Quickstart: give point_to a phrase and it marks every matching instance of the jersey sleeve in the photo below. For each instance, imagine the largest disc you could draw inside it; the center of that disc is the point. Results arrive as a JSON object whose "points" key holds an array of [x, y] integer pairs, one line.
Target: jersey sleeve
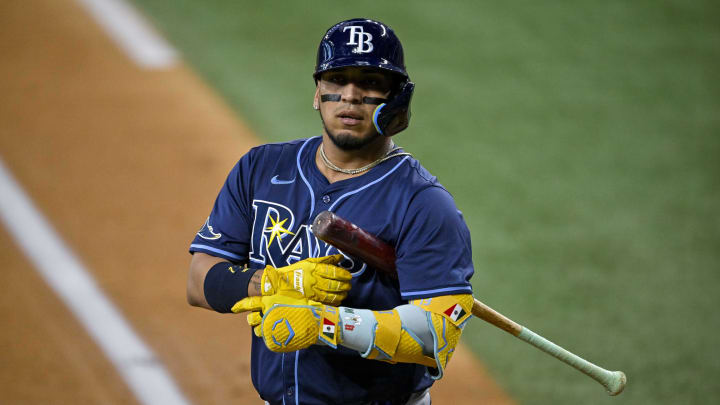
{"points": [[227, 231], [434, 253]]}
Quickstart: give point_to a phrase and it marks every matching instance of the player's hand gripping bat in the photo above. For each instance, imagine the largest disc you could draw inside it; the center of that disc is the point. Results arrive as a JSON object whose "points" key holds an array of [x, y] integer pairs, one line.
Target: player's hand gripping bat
{"points": [[354, 241]]}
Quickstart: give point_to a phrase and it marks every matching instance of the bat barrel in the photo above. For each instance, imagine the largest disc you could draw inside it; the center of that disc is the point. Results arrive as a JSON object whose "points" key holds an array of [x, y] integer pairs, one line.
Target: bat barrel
{"points": [[352, 240]]}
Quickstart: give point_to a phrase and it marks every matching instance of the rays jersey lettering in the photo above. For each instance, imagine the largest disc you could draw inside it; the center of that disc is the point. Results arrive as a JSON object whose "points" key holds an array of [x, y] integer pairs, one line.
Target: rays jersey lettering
{"points": [[278, 242]]}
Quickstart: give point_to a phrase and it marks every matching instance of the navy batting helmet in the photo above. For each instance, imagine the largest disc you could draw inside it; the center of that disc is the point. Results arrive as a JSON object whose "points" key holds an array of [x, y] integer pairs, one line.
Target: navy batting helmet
{"points": [[368, 43], [360, 42]]}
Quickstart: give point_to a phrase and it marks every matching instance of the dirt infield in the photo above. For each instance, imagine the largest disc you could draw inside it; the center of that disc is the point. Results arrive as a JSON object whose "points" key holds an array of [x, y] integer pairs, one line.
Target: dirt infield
{"points": [[125, 163]]}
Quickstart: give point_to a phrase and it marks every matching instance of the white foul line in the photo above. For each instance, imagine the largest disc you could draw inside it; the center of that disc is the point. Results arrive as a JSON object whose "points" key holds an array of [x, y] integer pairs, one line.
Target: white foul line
{"points": [[132, 33], [137, 364]]}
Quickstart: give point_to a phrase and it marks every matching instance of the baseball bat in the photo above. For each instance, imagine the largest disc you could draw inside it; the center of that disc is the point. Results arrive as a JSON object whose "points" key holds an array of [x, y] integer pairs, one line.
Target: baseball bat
{"points": [[357, 242]]}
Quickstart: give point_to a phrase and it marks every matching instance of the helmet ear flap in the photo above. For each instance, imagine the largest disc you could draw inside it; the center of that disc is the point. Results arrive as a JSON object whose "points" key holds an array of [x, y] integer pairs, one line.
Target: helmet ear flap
{"points": [[394, 116]]}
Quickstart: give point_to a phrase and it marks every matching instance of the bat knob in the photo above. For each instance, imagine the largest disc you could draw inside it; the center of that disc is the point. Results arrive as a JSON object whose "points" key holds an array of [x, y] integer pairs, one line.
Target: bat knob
{"points": [[616, 383], [321, 225]]}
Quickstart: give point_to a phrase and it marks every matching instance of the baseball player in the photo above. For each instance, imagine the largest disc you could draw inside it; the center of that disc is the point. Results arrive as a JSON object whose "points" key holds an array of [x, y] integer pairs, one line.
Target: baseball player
{"points": [[328, 329]]}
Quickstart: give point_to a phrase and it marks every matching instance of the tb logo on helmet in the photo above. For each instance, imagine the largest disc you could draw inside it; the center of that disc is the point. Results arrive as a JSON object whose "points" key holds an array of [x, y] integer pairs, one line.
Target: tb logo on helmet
{"points": [[360, 38]]}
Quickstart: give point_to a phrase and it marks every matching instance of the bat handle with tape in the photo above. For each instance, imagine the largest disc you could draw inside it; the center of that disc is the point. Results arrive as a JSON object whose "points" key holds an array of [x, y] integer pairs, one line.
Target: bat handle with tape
{"points": [[613, 381]]}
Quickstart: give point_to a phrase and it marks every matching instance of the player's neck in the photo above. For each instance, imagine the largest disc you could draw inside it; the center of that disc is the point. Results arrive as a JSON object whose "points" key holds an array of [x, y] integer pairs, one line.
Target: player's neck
{"points": [[349, 159]]}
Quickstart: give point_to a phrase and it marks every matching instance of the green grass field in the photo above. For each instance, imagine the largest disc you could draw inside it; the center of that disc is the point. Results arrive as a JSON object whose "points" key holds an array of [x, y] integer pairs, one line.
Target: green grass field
{"points": [[580, 139]]}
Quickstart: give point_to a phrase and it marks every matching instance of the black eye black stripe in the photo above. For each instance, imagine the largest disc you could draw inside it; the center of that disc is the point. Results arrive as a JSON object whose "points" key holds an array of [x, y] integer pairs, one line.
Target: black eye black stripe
{"points": [[329, 97], [374, 100], [366, 100]]}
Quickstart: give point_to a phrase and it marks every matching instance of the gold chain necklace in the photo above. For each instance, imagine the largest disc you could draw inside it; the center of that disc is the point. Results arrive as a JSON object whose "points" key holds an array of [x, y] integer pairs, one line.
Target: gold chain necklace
{"points": [[365, 168]]}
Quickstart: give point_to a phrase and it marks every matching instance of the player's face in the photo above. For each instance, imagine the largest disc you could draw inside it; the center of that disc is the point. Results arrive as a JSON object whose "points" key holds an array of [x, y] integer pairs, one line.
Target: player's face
{"points": [[348, 120]]}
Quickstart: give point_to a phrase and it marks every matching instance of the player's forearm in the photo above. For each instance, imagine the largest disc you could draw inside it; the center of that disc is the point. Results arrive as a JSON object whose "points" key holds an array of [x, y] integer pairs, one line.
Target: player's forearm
{"points": [[254, 286], [423, 332], [199, 267], [359, 326]]}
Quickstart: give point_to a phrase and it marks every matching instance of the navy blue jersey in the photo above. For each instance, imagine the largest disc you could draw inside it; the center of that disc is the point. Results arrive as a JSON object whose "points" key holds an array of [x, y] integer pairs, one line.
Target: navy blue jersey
{"points": [[262, 216]]}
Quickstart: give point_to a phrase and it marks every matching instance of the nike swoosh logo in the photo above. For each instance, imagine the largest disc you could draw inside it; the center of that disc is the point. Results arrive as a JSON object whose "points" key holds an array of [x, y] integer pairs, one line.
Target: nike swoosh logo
{"points": [[275, 180]]}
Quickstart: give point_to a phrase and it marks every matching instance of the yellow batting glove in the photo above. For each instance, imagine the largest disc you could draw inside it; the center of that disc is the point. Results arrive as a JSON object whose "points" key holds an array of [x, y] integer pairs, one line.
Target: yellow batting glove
{"points": [[252, 305], [318, 279], [287, 328], [307, 282], [248, 304], [254, 319], [256, 305]]}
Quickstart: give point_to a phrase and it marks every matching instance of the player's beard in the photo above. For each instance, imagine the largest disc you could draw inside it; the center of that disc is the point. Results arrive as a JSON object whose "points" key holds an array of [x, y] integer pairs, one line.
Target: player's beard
{"points": [[348, 142]]}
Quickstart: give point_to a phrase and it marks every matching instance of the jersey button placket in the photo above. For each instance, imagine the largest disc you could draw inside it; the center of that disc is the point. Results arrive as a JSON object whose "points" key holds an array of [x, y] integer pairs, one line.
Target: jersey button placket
{"points": [[289, 375], [326, 199]]}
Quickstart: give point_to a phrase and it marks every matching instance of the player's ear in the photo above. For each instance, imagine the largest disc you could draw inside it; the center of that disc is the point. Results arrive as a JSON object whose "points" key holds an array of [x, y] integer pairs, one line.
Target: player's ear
{"points": [[316, 99]]}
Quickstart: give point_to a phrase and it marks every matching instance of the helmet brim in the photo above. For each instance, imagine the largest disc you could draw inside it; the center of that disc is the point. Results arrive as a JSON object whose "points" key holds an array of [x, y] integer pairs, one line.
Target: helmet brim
{"points": [[378, 63]]}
